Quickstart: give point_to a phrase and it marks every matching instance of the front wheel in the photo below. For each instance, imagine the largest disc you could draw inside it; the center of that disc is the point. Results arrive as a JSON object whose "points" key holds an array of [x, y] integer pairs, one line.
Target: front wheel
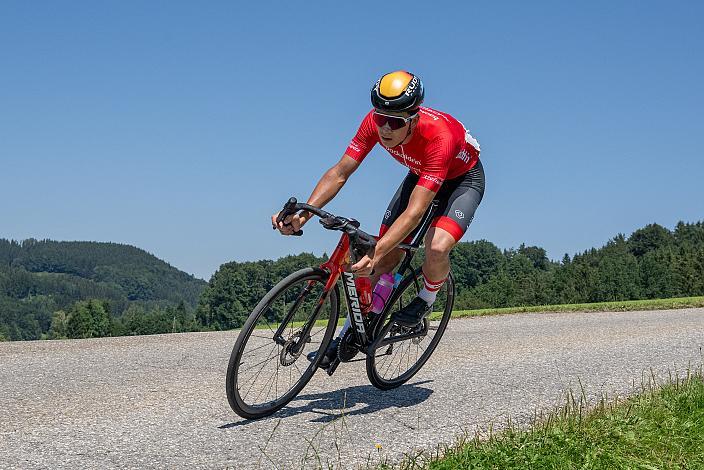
{"points": [[267, 371], [392, 365]]}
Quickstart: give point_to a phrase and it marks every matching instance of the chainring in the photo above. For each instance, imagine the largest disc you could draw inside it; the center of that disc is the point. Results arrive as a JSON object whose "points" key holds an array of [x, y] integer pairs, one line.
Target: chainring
{"points": [[346, 349]]}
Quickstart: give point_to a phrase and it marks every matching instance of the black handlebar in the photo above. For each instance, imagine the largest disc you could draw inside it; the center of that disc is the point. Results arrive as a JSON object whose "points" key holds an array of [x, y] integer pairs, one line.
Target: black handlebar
{"points": [[360, 241], [289, 209]]}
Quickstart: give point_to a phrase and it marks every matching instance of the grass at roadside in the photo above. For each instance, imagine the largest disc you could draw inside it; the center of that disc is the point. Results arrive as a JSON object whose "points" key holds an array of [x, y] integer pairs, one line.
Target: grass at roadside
{"points": [[620, 306], [657, 429]]}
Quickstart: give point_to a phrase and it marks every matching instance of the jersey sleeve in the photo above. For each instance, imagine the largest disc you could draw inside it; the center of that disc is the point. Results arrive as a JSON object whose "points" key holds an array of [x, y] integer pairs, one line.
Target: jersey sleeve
{"points": [[439, 154], [365, 139]]}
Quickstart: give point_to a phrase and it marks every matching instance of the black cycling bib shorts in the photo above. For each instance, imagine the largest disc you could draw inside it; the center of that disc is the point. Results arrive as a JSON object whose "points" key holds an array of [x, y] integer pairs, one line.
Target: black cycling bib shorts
{"points": [[458, 197]]}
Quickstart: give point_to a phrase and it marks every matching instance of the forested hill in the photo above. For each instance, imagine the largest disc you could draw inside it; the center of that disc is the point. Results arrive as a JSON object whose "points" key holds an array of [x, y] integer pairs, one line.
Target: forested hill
{"points": [[83, 289], [38, 278]]}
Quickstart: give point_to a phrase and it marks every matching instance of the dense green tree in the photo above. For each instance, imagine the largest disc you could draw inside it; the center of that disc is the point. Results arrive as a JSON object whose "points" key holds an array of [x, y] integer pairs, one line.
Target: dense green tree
{"points": [[689, 270], [475, 262], [649, 238], [537, 255], [80, 322], [59, 325], [139, 321], [689, 234], [88, 319], [657, 274], [236, 288]]}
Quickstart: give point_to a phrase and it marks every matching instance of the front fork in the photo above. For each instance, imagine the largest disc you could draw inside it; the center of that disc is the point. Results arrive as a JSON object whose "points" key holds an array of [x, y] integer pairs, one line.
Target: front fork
{"points": [[308, 326]]}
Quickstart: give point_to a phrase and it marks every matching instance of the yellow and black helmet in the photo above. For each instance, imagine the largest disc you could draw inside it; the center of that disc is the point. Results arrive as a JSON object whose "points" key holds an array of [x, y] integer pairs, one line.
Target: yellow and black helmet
{"points": [[398, 91]]}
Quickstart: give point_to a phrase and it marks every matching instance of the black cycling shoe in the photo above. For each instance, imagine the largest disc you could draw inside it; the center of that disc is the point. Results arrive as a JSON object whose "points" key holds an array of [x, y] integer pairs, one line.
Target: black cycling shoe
{"points": [[330, 354], [413, 313]]}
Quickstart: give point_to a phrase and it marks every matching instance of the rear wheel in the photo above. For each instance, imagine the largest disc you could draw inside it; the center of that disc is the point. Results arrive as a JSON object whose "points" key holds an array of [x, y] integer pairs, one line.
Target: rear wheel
{"points": [[393, 364], [266, 372]]}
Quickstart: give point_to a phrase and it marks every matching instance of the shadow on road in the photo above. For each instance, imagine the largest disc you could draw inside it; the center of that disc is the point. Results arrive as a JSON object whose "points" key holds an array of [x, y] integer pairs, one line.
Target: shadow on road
{"points": [[346, 401]]}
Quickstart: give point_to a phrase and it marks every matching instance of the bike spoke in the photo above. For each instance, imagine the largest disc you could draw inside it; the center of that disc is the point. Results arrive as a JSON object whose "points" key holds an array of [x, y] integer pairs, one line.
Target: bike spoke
{"points": [[262, 362], [258, 347], [269, 381], [297, 368], [262, 383], [407, 355], [276, 391], [257, 374]]}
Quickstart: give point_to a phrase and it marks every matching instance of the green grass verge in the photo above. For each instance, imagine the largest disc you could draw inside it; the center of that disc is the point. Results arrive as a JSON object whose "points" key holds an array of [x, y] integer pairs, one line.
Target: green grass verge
{"points": [[620, 306], [661, 428]]}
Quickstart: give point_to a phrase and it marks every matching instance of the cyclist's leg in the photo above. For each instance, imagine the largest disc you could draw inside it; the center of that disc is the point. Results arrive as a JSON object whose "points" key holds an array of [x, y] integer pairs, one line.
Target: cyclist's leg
{"points": [[459, 199], [458, 206]]}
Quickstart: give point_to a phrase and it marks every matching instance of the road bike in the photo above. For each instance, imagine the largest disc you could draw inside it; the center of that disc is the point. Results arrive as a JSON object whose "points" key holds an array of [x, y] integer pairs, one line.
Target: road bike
{"points": [[285, 337]]}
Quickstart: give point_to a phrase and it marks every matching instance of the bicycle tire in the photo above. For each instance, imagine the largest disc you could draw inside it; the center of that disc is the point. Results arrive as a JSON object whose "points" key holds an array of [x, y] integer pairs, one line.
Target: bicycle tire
{"points": [[234, 396], [373, 360]]}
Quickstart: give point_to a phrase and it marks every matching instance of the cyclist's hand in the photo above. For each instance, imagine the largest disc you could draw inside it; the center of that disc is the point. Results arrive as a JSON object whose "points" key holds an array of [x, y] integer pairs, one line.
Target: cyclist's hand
{"points": [[290, 225], [364, 267]]}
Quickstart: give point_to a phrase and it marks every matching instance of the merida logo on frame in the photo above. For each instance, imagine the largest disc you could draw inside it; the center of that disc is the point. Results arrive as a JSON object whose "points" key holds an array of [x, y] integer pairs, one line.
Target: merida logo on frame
{"points": [[354, 302]]}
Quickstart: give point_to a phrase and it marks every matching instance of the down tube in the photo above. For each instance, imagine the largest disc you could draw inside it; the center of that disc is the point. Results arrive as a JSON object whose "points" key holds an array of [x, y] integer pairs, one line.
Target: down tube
{"points": [[353, 307]]}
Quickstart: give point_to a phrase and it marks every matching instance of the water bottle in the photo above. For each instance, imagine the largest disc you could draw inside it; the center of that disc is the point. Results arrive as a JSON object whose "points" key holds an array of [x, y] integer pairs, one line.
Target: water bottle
{"points": [[364, 292], [382, 291]]}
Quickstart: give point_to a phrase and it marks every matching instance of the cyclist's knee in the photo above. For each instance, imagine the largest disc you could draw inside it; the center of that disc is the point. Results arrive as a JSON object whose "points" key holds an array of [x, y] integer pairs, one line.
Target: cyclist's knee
{"points": [[438, 244]]}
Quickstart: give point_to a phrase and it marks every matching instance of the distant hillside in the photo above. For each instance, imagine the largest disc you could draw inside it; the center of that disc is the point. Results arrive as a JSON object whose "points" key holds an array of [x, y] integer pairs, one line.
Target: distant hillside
{"points": [[38, 278], [82, 289]]}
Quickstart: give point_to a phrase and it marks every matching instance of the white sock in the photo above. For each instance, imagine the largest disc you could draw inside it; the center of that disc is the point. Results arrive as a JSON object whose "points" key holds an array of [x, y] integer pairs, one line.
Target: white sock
{"points": [[430, 289]]}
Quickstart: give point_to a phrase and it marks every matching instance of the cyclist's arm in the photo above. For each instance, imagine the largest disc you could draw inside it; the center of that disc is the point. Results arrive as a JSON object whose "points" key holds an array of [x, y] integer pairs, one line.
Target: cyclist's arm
{"points": [[418, 203], [331, 183]]}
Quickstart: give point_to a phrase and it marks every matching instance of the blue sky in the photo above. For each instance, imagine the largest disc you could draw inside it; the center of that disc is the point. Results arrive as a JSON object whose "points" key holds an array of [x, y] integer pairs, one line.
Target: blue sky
{"points": [[181, 127]]}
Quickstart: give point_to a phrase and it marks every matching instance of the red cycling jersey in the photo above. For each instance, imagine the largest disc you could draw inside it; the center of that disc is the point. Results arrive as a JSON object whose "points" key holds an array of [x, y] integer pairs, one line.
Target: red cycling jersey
{"points": [[440, 147]]}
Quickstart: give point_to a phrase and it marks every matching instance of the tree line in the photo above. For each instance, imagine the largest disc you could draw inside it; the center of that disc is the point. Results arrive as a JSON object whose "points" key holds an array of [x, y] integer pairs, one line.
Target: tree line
{"points": [[653, 262]]}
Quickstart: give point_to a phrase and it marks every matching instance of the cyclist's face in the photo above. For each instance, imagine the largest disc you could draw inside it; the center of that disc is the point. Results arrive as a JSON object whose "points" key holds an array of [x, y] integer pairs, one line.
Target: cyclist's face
{"points": [[392, 137]]}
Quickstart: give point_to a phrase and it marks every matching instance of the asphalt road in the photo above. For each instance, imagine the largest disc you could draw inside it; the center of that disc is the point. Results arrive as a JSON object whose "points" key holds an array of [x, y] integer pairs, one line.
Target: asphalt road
{"points": [[159, 401]]}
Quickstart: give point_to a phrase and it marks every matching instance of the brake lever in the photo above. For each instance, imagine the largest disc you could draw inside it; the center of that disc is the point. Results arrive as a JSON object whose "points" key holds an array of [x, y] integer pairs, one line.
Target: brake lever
{"points": [[289, 209], [361, 243]]}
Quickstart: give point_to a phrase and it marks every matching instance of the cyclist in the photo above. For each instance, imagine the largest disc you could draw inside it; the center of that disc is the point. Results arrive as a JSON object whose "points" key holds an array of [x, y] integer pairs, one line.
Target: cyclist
{"points": [[443, 159]]}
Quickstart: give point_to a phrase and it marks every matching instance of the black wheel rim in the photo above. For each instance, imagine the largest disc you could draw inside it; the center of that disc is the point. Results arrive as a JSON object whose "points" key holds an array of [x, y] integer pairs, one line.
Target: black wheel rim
{"points": [[268, 372], [399, 361]]}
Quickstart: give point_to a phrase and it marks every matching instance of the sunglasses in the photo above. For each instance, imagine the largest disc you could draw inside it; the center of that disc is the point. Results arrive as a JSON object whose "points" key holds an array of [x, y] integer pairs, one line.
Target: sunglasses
{"points": [[394, 122]]}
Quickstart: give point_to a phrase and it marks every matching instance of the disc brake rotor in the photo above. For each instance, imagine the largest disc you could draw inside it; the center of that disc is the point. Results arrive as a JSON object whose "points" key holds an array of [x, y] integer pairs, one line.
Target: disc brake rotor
{"points": [[288, 355]]}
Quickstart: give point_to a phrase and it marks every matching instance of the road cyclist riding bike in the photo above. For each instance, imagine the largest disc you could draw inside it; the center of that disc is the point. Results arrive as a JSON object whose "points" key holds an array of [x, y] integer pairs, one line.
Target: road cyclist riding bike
{"points": [[388, 314], [443, 159]]}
